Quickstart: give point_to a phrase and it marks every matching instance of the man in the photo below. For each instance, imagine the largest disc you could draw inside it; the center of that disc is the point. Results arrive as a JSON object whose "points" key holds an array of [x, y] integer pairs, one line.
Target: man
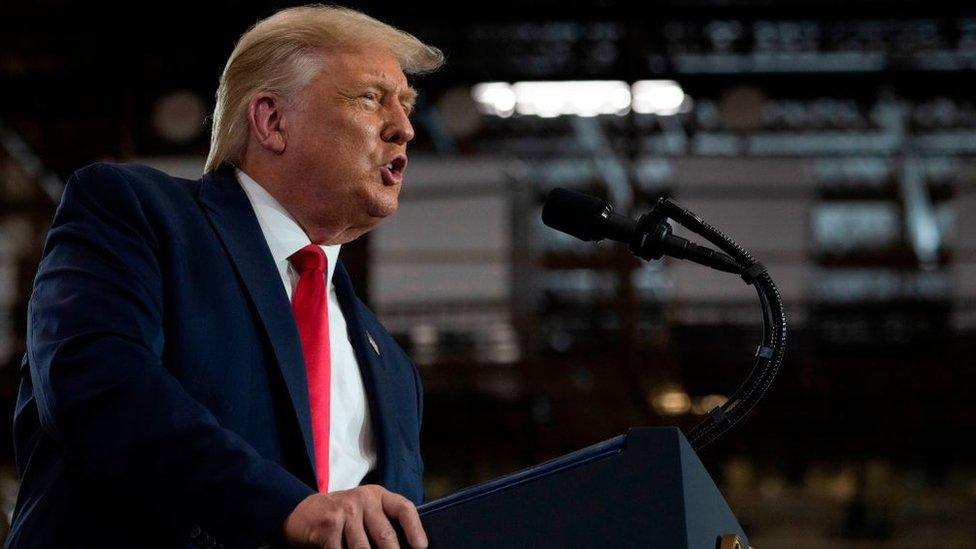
{"points": [[199, 371]]}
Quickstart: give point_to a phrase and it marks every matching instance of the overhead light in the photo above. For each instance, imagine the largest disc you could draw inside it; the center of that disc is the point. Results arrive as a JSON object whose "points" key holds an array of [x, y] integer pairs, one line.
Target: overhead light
{"points": [[551, 99], [495, 98], [582, 98], [663, 97]]}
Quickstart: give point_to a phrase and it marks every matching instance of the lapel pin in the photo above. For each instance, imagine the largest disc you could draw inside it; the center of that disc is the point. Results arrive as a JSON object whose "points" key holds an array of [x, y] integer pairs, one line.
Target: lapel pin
{"points": [[372, 342]]}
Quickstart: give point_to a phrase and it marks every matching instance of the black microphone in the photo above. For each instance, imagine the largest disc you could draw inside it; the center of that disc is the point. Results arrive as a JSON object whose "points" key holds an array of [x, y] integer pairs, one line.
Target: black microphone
{"points": [[586, 217], [591, 219]]}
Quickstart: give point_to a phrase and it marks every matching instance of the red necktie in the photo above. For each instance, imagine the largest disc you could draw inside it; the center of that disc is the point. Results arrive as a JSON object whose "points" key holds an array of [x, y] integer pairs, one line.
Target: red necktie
{"points": [[310, 305]]}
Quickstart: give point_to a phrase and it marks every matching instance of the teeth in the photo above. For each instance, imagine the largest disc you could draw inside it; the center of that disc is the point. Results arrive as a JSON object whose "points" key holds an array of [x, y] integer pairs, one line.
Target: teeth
{"points": [[390, 166]]}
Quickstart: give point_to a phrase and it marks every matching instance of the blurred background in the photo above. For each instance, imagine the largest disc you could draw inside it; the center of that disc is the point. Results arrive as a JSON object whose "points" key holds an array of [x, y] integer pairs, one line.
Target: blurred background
{"points": [[836, 140]]}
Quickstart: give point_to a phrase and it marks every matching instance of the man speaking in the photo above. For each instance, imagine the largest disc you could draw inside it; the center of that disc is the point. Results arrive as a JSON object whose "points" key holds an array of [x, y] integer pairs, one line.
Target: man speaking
{"points": [[199, 371]]}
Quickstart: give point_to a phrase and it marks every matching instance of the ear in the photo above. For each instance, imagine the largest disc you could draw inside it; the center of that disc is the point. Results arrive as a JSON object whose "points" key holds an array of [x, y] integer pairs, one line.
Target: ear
{"points": [[265, 119]]}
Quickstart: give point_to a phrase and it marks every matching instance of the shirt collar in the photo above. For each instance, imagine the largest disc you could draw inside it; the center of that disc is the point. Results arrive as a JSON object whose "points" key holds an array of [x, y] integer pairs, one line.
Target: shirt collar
{"points": [[281, 231]]}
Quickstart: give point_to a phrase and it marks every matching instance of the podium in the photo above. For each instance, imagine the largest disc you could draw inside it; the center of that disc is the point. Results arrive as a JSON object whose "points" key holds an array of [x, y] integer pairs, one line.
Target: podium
{"points": [[644, 489]]}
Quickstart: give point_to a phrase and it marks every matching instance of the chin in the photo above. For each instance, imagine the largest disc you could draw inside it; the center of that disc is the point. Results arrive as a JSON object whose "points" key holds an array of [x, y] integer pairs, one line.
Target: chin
{"points": [[374, 218], [383, 207]]}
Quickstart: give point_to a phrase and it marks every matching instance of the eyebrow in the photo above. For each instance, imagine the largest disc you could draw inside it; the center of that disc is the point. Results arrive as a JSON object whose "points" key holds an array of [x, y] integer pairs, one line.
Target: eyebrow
{"points": [[409, 95]]}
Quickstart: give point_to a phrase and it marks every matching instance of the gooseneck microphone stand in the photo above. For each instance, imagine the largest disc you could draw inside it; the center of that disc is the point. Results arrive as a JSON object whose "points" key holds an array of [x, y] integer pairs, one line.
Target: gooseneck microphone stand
{"points": [[647, 488], [769, 353], [650, 238]]}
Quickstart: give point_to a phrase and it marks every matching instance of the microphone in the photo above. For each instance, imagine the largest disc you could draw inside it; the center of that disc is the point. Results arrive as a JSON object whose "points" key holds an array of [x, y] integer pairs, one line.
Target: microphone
{"points": [[649, 237], [586, 217]]}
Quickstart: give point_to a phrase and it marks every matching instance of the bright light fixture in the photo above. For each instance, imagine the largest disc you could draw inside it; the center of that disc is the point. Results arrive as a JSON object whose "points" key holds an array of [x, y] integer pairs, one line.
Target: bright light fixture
{"points": [[551, 99], [580, 98], [496, 98], [663, 97]]}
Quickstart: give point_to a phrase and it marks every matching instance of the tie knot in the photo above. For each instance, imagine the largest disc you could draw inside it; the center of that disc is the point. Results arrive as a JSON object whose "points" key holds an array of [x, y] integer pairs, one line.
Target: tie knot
{"points": [[309, 258]]}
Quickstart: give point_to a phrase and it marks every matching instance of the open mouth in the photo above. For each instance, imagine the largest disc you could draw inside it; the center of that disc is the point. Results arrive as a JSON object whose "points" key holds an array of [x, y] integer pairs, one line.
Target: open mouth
{"points": [[393, 171], [397, 165]]}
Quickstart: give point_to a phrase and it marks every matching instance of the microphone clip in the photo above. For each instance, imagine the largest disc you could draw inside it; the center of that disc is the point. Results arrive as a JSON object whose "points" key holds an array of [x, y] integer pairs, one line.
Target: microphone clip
{"points": [[651, 236], [653, 239]]}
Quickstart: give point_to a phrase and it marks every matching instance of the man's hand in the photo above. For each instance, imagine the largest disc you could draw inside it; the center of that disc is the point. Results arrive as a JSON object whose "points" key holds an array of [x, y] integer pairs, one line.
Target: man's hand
{"points": [[356, 516]]}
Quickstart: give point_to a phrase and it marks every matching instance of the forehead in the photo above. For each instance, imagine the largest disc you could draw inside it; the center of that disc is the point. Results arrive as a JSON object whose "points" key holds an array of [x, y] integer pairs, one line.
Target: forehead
{"points": [[365, 65]]}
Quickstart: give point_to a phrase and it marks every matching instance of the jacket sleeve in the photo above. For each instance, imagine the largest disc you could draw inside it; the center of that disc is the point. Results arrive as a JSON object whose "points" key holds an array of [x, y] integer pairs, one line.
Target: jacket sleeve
{"points": [[420, 421], [95, 347]]}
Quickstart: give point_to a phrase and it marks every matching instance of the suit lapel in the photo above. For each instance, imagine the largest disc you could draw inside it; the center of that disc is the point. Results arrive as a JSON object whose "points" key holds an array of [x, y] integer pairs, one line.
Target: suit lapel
{"points": [[233, 218], [374, 376]]}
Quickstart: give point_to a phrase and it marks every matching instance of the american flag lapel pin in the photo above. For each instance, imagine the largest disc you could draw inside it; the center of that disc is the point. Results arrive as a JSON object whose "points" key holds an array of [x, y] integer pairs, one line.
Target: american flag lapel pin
{"points": [[372, 343]]}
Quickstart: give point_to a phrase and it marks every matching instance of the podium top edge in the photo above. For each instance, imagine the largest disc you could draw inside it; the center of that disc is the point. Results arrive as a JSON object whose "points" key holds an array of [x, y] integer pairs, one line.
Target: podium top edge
{"points": [[602, 449]]}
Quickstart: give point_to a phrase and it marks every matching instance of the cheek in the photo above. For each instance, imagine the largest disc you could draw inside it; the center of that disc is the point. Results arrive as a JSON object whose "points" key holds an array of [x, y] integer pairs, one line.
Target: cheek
{"points": [[360, 128], [342, 149], [349, 135]]}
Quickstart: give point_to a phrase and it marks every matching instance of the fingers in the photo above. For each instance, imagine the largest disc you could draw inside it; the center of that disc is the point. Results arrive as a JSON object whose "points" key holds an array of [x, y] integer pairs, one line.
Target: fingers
{"points": [[329, 533], [379, 527], [354, 533], [357, 519], [405, 512]]}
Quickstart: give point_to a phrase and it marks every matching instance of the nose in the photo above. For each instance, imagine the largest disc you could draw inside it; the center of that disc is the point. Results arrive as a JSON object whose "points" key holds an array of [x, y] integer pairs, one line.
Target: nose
{"points": [[398, 128]]}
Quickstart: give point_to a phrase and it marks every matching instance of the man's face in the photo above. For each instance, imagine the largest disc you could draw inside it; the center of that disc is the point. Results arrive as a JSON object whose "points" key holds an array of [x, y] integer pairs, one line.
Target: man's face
{"points": [[346, 144]]}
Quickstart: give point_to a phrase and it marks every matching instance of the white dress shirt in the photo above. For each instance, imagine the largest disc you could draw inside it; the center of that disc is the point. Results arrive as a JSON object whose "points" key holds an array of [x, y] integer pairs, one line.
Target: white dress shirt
{"points": [[352, 448]]}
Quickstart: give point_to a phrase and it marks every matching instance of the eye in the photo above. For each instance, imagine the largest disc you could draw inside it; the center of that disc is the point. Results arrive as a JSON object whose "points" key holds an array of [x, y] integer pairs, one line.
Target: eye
{"points": [[370, 99]]}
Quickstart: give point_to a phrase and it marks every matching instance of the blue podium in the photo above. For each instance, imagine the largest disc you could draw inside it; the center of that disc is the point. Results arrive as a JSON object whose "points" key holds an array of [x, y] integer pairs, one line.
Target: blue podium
{"points": [[644, 489]]}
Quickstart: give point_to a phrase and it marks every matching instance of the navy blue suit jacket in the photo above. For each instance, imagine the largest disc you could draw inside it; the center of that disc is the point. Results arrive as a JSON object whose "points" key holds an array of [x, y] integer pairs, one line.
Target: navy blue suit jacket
{"points": [[163, 398]]}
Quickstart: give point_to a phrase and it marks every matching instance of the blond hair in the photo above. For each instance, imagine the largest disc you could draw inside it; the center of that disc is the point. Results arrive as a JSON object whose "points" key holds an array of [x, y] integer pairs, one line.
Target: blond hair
{"points": [[283, 53]]}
